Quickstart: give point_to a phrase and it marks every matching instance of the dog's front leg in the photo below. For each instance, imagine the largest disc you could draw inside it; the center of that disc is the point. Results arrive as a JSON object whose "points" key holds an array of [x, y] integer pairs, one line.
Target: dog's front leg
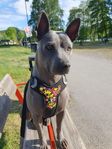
{"points": [[37, 120], [62, 142]]}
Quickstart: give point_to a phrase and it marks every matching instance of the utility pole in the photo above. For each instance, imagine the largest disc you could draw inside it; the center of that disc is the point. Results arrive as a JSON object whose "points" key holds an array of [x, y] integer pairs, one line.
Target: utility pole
{"points": [[26, 11], [27, 29]]}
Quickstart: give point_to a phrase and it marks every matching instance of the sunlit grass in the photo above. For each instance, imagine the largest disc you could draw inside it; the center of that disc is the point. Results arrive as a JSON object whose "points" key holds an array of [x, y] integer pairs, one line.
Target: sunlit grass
{"points": [[13, 60]]}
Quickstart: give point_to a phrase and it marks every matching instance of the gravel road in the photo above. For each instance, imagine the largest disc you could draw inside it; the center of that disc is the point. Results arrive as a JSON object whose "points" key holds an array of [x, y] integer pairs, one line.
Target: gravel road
{"points": [[90, 85]]}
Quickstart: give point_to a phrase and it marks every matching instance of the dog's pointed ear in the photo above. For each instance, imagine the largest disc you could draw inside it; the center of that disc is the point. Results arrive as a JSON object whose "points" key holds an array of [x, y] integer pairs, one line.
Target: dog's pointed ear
{"points": [[72, 29], [42, 26]]}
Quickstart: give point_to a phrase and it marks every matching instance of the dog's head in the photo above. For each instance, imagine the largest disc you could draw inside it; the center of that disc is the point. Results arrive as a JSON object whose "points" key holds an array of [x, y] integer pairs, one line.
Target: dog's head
{"points": [[55, 47]]}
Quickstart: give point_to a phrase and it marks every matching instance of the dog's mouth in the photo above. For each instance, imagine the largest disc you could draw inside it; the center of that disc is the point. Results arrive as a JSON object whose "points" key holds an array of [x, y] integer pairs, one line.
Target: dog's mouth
{"points": [[65, 71], [62, 71]]}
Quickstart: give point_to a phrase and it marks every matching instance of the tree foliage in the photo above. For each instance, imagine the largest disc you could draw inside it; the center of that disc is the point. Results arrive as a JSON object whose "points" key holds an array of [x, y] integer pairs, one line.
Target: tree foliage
{"points": [[96, 19], [3, 35], [20, 35], [12, 33], [100, 19], [53, 10]]}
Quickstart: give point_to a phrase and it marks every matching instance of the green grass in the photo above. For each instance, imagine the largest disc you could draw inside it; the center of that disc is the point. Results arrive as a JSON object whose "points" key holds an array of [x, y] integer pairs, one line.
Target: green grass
{"points": [[13, 60]]}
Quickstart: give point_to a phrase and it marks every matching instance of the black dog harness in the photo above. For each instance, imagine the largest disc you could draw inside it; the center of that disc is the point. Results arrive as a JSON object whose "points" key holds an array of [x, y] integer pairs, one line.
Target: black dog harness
{"points": [[50, 94]]}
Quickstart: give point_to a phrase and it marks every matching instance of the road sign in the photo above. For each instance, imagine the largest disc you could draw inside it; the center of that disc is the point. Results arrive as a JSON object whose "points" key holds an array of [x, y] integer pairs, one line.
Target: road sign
{"points": [[28, 31]]}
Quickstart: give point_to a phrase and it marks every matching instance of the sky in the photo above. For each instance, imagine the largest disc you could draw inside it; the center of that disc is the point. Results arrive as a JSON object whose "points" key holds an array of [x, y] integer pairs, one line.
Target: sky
{"points": [[12, 12]]}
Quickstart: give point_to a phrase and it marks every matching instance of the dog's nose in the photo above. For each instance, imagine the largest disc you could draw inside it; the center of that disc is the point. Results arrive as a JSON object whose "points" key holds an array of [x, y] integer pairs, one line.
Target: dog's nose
{"points": [[66, 66], [63, 67]]}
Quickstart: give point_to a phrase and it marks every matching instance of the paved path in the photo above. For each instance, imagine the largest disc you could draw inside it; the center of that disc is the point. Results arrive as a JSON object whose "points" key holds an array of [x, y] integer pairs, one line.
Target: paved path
{"points": [[90, 83]]}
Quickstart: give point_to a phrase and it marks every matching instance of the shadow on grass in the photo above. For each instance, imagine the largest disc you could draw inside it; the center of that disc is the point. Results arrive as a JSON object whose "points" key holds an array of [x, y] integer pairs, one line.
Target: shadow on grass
{"points": [[4, 46], [15, 107], [3, 141], [8, 46]]}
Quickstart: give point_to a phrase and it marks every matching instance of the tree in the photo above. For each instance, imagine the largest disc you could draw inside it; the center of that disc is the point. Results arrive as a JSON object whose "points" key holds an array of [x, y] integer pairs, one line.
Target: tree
{"points": [[96, 19], [100, 19], [3, 35], [53, 10], [20, 35], [109, 5], [74, 13], [82, 14], [11, 33]]}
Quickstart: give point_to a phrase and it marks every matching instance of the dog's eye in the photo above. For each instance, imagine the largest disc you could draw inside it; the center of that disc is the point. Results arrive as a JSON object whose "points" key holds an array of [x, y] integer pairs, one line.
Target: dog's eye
{"points": [[50, 47], [62, 45], [68, 49]]}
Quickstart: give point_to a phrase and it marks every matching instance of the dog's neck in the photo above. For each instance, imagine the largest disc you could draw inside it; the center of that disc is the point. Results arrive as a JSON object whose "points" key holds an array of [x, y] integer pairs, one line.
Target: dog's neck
{"points": [[44, 76]]}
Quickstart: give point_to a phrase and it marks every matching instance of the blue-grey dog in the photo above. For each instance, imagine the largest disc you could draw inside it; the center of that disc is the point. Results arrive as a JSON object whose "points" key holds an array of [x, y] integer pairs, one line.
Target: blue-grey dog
{"points": [[47, 93]]}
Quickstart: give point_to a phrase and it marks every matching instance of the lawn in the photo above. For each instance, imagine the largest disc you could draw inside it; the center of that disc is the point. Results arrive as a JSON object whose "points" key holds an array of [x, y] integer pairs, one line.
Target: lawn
{"points": [[13, 60]]}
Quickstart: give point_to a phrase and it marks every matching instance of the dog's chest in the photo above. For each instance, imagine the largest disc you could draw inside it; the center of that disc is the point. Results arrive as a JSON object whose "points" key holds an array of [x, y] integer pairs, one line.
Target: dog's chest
{"points": [[50, 99]]}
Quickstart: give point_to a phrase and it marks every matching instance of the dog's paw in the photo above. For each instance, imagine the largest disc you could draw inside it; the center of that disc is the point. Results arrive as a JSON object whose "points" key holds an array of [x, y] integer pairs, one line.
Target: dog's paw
{"points": [[63, 144]]}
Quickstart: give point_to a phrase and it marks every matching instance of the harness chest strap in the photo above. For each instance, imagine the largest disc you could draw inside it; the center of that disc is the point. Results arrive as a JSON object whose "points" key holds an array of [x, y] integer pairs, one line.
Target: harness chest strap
{"points": [[50, 93]]}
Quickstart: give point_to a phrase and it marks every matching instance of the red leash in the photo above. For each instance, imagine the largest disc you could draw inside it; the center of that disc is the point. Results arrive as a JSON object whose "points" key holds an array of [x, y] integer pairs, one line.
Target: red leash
{"points": [[20, 84], [51, 136], [49, 126], [18, 93]]}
